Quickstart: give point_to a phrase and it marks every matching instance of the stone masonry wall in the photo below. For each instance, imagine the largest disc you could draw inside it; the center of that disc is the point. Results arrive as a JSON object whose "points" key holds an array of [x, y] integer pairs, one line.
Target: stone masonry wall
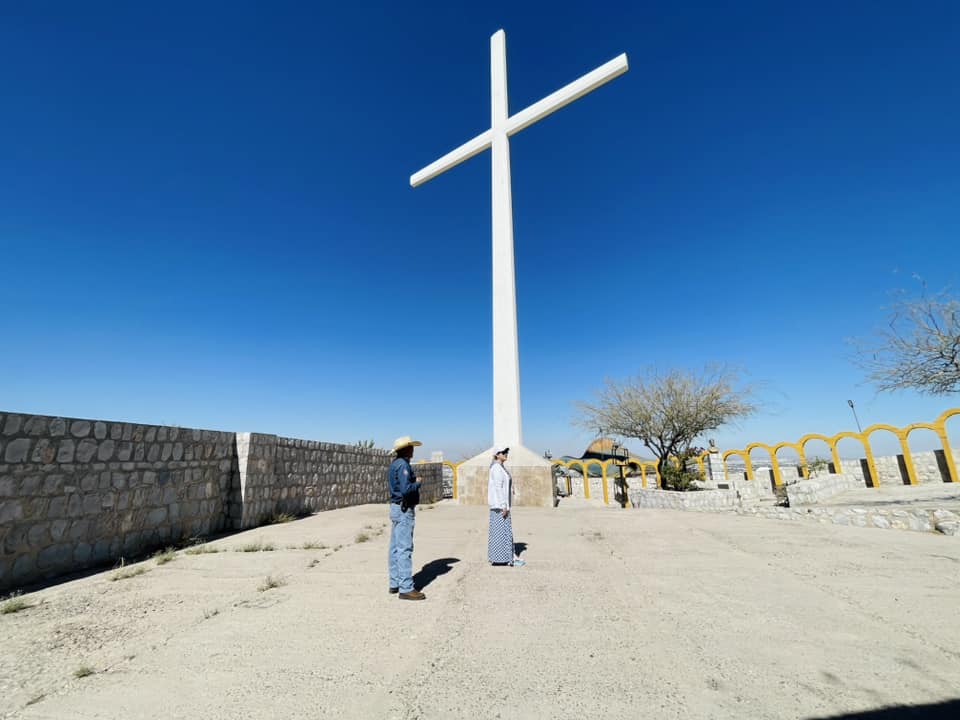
{"points": [[930, 467], [286, 475], [76, 494], [820, 488]]}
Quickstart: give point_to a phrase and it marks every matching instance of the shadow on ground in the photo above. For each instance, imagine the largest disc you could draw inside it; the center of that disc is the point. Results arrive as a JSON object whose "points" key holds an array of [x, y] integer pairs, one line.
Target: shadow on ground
{"points": [[933, 711], [432, 570]]}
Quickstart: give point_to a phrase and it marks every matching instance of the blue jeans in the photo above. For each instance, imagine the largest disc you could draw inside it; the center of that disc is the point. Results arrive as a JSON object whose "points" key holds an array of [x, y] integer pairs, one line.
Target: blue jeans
{"points": [[400, 557]]}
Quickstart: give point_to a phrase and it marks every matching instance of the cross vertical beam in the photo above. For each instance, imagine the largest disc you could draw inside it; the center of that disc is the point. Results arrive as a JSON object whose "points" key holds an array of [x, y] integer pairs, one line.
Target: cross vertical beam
{"points": [[506, 355]]}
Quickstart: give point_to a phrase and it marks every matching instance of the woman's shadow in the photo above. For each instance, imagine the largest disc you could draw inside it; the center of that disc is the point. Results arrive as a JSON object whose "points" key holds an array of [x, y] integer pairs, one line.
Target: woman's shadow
{"points": [[432, 570]]}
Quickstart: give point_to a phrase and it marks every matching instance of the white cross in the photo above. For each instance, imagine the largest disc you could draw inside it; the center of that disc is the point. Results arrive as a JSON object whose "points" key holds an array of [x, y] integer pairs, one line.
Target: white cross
{"points": [[506, 358]]}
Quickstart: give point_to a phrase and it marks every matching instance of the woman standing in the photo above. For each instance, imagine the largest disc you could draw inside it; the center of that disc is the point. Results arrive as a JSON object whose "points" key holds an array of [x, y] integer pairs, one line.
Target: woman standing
{"points": [[500, 547]]}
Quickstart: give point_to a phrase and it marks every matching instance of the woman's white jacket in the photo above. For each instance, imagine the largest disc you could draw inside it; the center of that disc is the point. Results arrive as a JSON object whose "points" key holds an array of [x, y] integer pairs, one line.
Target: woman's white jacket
{"points": [[498, 489]]}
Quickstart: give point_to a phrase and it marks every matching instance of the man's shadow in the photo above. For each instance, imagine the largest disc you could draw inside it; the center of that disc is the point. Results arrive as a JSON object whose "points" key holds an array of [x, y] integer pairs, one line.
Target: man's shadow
{"points": [[432, 570]]}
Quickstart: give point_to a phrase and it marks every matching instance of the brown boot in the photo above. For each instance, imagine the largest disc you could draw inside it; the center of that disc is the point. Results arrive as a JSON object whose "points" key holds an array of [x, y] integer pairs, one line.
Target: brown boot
{"points": [[412, 595]]}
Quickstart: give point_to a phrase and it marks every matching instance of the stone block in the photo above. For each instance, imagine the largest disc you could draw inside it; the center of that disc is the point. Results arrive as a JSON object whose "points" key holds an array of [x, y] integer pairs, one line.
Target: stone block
{"points": [[99, 430], [80, 428], [91, 504], [36, 426], [58, 427], [10, 511], [89, 482], [156, 517], [79, 529], [55, 556], [39, 534], [82, 553], [13, 424], [86, 450], [102, 551], [58, 529], [57, 507], [17, 450], [65, 453], [6, 486], [105, 450], [24, 567], [53, 484]]}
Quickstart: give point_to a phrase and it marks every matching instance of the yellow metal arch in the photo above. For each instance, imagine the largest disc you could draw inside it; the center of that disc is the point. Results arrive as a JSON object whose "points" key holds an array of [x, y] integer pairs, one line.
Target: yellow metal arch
{"points": [[743, 456], [868, 451], [797, 449], [901, 435], [773, 460], [941, 423], [586, 475], [831, 443]]}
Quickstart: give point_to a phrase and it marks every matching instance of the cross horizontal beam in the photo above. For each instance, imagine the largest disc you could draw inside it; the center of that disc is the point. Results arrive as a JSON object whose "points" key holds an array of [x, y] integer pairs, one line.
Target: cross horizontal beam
{"points": [[539, 110]]}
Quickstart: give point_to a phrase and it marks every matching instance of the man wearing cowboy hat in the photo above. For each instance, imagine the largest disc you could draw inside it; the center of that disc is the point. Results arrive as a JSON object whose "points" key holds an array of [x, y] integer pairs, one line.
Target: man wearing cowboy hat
{"points": [[404, 495]]}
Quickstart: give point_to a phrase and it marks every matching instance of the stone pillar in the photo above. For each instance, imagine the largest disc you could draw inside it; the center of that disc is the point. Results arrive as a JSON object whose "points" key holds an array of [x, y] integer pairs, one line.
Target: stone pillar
{"points": [[533, 484], [715, 476]]}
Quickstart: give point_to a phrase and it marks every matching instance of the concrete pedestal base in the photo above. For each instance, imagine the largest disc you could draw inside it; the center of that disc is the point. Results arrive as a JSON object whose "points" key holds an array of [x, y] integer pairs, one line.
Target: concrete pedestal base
{"points": [[532, 479]]}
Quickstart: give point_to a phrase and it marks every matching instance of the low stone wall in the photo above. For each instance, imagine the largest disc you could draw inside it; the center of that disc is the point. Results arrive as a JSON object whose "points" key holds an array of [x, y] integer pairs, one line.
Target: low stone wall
{"points": [[702, 500], [817, 489], [287, 475], [941, 521], [930, 467], [78, 493]]}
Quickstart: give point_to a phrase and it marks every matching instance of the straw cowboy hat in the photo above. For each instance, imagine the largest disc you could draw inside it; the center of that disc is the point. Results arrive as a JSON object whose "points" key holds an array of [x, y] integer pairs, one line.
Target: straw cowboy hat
{"points": [[406, 441]]}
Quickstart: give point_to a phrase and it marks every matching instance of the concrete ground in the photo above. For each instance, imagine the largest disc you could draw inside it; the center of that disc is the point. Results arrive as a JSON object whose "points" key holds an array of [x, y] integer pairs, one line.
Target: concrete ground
{"points": [[618, 614], [928, 496]]}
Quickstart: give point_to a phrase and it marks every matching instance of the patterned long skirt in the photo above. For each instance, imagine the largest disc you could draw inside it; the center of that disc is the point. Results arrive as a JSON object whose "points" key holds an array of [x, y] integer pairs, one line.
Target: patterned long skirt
{"points": [[500, 543]]}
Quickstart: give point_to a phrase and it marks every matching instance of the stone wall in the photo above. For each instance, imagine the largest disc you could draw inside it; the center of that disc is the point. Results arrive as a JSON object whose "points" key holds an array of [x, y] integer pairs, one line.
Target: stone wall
{"points": [[296, 477], [939, 520], [930, 467], [78, 493], [820, 488], [701, 500]]}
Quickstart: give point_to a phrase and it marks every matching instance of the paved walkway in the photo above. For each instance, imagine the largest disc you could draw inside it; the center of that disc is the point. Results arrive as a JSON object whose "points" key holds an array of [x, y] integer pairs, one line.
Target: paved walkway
{"points": [[928, 496], [618, 614]]}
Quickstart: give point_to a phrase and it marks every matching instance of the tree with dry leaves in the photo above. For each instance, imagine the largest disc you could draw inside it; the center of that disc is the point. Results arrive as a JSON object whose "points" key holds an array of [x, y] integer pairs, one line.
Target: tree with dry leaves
{"points": [[668, 410], [919, 349]]}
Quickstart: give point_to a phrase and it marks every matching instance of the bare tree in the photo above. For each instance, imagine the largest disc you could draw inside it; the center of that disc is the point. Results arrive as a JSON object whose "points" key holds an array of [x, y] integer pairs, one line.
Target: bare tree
{"points": [[668, 410], [919, 349]]}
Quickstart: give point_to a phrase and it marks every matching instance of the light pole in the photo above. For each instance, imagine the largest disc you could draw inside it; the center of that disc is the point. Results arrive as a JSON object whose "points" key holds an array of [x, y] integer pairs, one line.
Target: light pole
{"points": [[620, 457], [855, 418]]}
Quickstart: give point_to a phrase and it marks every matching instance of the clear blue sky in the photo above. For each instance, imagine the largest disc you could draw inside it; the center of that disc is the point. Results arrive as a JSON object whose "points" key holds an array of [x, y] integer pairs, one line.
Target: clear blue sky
{"points": [[205, 215]]}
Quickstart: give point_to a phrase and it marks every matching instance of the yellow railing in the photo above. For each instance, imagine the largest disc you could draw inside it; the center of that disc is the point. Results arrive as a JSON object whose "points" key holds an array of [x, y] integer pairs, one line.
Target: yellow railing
{"points": [[939, 426], [604, 477]]}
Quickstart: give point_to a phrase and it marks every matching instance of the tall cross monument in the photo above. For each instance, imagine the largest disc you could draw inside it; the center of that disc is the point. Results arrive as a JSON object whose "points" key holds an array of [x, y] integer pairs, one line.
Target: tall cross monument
{"points": [[506, 359]]}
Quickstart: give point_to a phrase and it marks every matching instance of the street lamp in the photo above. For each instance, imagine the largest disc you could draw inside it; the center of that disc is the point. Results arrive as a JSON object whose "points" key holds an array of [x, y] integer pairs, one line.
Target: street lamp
{"points": [[855, 418], [620, 457]]}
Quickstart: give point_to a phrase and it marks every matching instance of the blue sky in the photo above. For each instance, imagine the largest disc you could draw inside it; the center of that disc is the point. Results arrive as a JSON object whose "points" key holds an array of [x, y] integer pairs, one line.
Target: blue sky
{"points": [[205, 215]]}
